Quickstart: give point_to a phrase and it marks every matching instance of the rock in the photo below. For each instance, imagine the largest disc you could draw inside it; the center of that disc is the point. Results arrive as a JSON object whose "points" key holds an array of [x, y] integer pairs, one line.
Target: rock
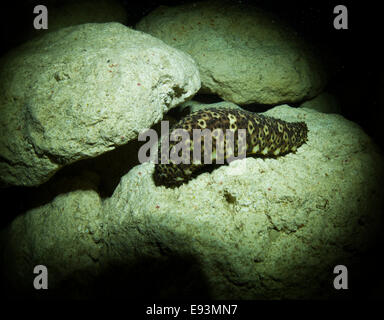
{"points": [[245, 55], [324, 102], [81, 91], [259, 228], [64, 234], [74, 12], [193, 106]]}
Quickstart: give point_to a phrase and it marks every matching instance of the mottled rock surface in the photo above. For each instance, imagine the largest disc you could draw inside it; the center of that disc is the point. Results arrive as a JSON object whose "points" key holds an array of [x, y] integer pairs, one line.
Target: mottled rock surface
{"points": [[257, 228], [64, 233], [74, 12], [245, 55], [81, 91], [261, 228]]}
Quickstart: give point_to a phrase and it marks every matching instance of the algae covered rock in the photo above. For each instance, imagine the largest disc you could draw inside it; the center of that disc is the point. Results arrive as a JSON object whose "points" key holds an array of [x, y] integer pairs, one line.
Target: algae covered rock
{"points": [[245, 55], [81, 91], [260, 228], [74, 12], [257, 228], [63, 232]]}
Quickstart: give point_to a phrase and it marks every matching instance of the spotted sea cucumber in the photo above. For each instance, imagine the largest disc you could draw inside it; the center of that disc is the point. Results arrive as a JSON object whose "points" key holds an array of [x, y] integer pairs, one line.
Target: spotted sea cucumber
{"points": [[265, 137]]}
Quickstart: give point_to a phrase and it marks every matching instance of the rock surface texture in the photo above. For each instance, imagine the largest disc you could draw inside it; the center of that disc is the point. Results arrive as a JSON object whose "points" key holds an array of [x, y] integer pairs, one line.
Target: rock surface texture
{"points": [[245, 55], [257, 228], [81, 91], [74, 12], [262, 228]]}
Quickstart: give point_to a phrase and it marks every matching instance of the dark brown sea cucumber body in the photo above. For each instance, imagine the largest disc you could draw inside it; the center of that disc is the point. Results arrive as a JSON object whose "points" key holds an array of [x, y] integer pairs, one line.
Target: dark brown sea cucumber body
{"points": [[265, 136]]}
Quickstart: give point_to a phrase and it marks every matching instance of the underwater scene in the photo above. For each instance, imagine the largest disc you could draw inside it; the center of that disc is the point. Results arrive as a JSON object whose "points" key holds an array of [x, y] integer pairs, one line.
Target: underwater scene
{"points": [[191, 150]]}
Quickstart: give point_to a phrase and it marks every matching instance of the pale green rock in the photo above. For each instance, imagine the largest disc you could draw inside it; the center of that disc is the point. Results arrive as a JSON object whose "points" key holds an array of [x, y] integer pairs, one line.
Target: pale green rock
{"points": [[81, 91], [261, 228], [245, 55], [257, 228], [74, 12], [64, 234]]}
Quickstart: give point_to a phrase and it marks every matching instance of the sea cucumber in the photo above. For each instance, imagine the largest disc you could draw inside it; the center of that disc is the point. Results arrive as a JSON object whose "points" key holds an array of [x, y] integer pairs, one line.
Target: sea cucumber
{"points": [[265, 137]]}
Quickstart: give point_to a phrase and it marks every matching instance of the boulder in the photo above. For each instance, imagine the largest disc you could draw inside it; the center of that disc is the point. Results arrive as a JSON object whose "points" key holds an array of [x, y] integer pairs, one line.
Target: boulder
{"points": [[74, 12], [81, 91], [64, 233], [254, 229], [259, 228], [245, 55]]}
